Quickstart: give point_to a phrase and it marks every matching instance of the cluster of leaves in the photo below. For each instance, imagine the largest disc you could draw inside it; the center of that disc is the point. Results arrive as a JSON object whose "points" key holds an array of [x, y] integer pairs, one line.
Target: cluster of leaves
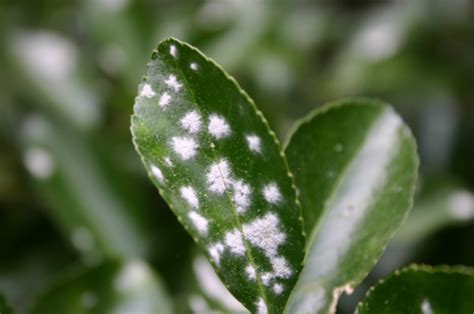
{"points": [[212, 155], [74, 197]]}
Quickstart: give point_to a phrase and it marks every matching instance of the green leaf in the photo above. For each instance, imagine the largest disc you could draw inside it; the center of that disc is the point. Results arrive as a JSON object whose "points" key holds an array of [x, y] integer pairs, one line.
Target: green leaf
{"points": [[114, 287], [355, 165], [4, 307], [422, 289], [220, 168]]}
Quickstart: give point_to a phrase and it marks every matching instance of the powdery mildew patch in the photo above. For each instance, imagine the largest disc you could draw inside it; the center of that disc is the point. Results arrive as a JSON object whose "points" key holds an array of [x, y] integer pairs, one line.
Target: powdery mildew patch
{"points": [[254, 143], [218, 126], [185, 147], [265, 234], [165, 100], [157, 173], [233, 240], [173, 51], [215, 251], [173, 83], [199, 222], [271, 193], [219, 176], [189, 195], [277, 288], [147, 91], [194, 66], [261, 306], [191, 122], [241, 196], [251, 273], [168, 161]]}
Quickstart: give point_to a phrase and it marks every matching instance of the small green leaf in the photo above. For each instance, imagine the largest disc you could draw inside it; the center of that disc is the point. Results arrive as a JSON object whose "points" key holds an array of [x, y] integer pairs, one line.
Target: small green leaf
{"points": [[114, 287], [355, 165], [220, 168], [422, 289], [4, 307]]}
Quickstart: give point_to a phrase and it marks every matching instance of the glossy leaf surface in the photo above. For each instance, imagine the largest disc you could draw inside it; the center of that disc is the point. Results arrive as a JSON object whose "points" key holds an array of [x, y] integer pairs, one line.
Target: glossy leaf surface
{"points": [[220, 168], [422, 289], [129, 287], [355, 166]]}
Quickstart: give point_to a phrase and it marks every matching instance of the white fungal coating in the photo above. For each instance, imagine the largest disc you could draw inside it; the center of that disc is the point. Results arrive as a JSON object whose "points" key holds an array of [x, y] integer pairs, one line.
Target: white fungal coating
{"points": [[241, 196], [261, 307], [280, 267], [215, 251], [265, 234], [199, 222], [168, 161], [218, 126], [254, 143], [39, 162], [173, 51], [251, 273], [191, 122], [146, 91], [272, 193], [266, 277], [278, 288], [233, 240], [194, 66], [157, 173], [185, 147], [426, 307], [165, 100], [173, 83], [189, 195], [218, 176]]}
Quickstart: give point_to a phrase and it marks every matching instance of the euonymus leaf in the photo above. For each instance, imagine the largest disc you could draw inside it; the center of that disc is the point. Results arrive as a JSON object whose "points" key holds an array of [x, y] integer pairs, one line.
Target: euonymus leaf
{"points": [[220, 168], [355, 165], [422, 289], [4, 307], [129, 287]]}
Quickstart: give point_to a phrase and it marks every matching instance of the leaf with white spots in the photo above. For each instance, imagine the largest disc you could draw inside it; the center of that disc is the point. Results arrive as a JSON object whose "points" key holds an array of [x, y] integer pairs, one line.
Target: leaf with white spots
{"points": [[355, 165], [112, 287], [422, 289], [223, 174]]}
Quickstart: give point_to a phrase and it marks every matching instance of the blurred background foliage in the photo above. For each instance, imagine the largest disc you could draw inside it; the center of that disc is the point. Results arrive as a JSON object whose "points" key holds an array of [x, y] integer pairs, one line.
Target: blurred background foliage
{"points": [[82, 226]]}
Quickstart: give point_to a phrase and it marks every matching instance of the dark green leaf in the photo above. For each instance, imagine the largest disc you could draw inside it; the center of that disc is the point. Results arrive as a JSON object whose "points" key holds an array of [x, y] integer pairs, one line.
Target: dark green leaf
{"points": [[220, 168], [113, 287], [4, 307], [422, 289], [355, 165]]}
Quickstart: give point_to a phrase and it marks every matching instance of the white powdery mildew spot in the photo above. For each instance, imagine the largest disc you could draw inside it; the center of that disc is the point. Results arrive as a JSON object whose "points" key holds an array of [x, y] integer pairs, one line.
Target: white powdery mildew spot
{"points": [[218, 126], [241, 196], [173, 83], [194, 66], [251, 273], [168, 161], [218, 176], [261, 307], [233, 240], [191, 122], [426, 307], [185, 147], [199, 222], [165, 100], [157, 173], [173, 51], [272, 193], [278, 288], [254, 143], [266, 278], [190, 196], [215, 251], [265, 233], [146, 91], [280, 267]]}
